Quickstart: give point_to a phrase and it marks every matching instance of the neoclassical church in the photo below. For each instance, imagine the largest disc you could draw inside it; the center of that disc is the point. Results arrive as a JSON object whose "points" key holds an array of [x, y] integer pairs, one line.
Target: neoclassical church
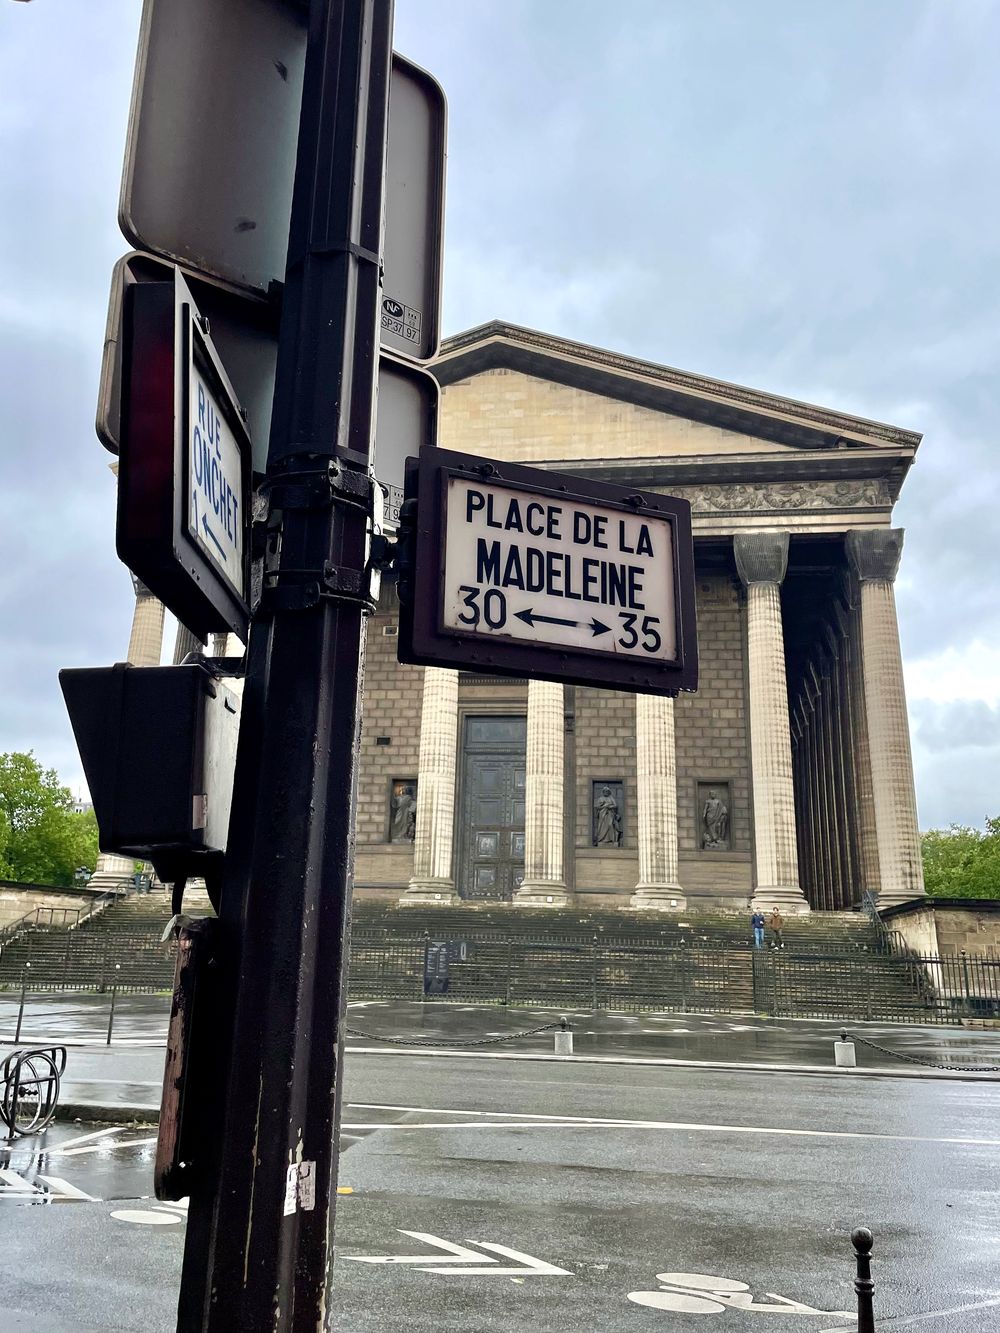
{"points": [[786, 779]]}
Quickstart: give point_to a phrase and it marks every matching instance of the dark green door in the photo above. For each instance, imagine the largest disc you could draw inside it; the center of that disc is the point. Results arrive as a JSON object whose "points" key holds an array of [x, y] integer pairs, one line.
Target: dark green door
{"points": [[491, 860]]}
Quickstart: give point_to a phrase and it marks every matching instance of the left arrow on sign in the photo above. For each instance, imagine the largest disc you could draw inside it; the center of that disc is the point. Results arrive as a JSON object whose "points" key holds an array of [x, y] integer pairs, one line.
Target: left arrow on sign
{"points": [[478, 1263]]}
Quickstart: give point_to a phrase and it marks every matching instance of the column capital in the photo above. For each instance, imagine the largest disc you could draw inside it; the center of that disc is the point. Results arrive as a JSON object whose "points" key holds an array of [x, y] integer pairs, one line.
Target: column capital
{"points": [[874, 553], [761, 557]]}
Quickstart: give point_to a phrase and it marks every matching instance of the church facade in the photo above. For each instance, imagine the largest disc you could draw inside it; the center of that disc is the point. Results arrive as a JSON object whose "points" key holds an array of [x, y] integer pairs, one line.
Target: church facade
{"points": [[787, 779]]}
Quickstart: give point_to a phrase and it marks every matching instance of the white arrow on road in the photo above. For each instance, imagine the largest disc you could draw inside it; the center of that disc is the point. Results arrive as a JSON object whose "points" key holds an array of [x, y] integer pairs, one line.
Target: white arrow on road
{"points": [[477, 1263]]}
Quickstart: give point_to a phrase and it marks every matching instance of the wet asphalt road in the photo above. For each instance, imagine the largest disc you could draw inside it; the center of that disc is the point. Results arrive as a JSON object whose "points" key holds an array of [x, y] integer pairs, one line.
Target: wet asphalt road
{"points": [[742, 1184]]}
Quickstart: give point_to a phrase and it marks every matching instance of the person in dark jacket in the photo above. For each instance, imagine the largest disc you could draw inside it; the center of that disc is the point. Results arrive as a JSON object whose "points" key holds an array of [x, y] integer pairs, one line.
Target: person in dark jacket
{"points": [[757, 924]]}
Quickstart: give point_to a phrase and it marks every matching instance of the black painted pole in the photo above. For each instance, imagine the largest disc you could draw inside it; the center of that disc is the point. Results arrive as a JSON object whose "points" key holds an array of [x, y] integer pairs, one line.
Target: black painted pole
{"points": [[20, 1008], [259, 1247], [862, 1241]]}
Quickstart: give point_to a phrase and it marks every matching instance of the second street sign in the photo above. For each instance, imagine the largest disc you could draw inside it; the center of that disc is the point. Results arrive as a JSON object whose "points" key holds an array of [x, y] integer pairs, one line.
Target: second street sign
{"points": [[519, 571]]}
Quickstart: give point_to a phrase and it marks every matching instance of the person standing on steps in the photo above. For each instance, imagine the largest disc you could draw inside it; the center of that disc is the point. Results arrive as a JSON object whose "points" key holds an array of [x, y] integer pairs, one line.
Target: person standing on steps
{"points": [[757, 924], [777, 924]]}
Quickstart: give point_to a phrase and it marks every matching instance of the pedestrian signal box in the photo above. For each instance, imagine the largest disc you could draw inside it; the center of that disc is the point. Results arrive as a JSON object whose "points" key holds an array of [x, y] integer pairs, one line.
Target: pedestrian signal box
{"points": [[158, 746]]}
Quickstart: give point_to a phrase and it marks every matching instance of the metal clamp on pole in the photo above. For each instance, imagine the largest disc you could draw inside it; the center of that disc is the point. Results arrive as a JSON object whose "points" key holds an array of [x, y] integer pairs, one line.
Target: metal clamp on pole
{"points": [[318, 484]]}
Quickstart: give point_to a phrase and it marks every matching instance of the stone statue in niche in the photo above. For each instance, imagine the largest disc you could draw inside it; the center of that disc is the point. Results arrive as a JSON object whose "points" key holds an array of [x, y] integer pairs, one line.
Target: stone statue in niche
{"points": [[714, 822], [403, 826], [607, 816]]}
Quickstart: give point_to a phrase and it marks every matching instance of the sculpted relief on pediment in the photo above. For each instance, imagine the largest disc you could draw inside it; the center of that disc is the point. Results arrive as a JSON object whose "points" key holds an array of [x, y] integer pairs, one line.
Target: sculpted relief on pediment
{"points": [[755, 496]]}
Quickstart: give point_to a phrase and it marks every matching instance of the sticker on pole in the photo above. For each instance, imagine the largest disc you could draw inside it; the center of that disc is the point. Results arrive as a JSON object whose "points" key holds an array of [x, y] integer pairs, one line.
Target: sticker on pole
{"points": [[520, 571]]}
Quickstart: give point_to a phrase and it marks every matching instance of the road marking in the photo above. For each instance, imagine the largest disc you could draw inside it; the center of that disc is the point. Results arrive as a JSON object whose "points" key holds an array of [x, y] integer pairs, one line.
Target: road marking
{"points": [[64, 1190], [533, 1120], [16, 1186], [83, 1138], [477, 1264], [904, 1320], [101, 1147], [15, 1183]]}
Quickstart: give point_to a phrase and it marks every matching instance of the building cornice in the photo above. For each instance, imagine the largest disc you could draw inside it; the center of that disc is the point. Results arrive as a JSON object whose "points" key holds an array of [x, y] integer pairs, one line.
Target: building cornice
{"points": [[734, 407]]}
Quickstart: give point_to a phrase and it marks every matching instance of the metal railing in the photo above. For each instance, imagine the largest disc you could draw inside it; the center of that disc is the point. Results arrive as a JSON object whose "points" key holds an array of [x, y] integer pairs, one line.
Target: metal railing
{"points": [[63, 918]]}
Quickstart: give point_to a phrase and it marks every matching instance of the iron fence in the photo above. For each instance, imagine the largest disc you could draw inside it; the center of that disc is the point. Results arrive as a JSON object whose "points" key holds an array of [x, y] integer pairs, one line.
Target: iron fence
{"points": [[573, 970]]}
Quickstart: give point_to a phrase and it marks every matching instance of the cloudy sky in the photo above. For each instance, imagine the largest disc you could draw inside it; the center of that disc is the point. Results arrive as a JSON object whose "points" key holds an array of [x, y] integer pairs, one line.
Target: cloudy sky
{"points": [[798, 196]]}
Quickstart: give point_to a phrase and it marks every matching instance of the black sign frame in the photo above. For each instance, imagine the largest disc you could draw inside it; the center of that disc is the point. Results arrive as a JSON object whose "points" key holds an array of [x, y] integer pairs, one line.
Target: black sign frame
{"points": [[423, 641], [163, 333]]}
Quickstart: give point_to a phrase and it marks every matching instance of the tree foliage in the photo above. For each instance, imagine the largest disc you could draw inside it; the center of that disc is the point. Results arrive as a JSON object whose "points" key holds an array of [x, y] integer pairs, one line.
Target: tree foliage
{"points": [[961, 862], [42, 839]]}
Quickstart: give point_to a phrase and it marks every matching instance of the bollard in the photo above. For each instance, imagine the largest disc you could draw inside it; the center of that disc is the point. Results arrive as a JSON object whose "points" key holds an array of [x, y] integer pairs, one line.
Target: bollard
{"points": [[862, 1240], [844, 1056], [114, 997], [564, 1038], [20, 1008]]}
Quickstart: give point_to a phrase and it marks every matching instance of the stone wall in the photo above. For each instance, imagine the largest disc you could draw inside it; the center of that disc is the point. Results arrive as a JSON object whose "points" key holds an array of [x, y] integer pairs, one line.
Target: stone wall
{"points": [[391, 713], [712, 742], [17, 900], [947, 925], [604, 746]]}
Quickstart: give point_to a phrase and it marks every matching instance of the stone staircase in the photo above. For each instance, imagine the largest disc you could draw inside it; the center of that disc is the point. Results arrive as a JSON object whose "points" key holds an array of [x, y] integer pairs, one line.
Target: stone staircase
{"points": [[831, 965], [118, 947]]}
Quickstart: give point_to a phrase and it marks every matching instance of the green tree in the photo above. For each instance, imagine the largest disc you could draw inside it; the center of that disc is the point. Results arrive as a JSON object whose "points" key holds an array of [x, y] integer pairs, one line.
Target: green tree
{"points": [[42, 839], [962, 862]]}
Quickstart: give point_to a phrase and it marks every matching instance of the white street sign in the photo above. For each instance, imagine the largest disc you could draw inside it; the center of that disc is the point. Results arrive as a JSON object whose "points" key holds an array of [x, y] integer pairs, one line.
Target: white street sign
{"points": [[215, 518], [565, 573]]}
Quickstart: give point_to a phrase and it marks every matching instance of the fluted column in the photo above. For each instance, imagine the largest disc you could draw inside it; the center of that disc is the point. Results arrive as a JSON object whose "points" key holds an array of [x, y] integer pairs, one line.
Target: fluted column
{"points": [[544, 883], [146, 639], [433, 842], [186, 641], [874, 556], [761, 559], [656, 791]]}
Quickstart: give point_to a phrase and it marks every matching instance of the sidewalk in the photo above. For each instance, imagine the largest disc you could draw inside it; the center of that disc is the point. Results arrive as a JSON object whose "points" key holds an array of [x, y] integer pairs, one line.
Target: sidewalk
{"points": [[122, 1080]]}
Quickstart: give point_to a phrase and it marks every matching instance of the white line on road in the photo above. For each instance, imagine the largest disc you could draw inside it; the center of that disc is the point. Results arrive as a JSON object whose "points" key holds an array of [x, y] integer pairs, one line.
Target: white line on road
{"points": [[101, 1147], [935, 1314], [65, 1190], [530, 1120], [84, 1138]]}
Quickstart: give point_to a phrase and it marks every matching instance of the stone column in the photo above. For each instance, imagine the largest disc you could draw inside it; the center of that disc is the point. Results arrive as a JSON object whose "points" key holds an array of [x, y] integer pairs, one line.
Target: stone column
{"points": [[186, 641], [656, 790], [144, 647], [874, 555], [146, 640], [761, 559], [544, 883], [433, 879]]}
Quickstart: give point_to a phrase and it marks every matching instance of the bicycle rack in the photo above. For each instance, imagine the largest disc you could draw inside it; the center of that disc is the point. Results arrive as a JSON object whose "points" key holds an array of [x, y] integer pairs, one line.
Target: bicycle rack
{"points": [[29, 1089]]}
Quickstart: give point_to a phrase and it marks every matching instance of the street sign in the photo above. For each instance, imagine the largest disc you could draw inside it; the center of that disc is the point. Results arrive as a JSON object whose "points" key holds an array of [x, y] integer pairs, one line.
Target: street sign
{"points": [[210, 157], [244, 331], [414, 218], [408, 399], [519, 571], [185, 463]]}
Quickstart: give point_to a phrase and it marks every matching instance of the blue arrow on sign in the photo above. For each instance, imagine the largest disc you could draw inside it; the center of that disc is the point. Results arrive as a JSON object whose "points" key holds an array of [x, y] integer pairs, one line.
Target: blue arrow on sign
{"points": [[210, 533]]}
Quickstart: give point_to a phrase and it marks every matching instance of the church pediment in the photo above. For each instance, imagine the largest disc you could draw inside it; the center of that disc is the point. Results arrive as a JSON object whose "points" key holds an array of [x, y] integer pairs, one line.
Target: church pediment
{"points": [[658, 410]]}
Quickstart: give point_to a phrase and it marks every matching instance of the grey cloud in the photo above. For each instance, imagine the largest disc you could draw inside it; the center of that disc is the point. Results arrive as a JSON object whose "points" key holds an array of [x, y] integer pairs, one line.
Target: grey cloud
{"points": [[958, 725]]}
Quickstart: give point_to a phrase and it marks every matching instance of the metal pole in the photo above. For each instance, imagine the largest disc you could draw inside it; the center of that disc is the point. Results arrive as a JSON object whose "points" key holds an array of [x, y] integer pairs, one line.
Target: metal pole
{"points": [[863, 1241], [114, 999], [20, 1008], [259, 1245]]}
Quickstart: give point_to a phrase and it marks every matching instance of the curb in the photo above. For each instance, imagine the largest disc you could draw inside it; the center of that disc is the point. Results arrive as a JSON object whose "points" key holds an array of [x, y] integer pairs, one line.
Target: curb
{"points": [[108, 1114]]}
